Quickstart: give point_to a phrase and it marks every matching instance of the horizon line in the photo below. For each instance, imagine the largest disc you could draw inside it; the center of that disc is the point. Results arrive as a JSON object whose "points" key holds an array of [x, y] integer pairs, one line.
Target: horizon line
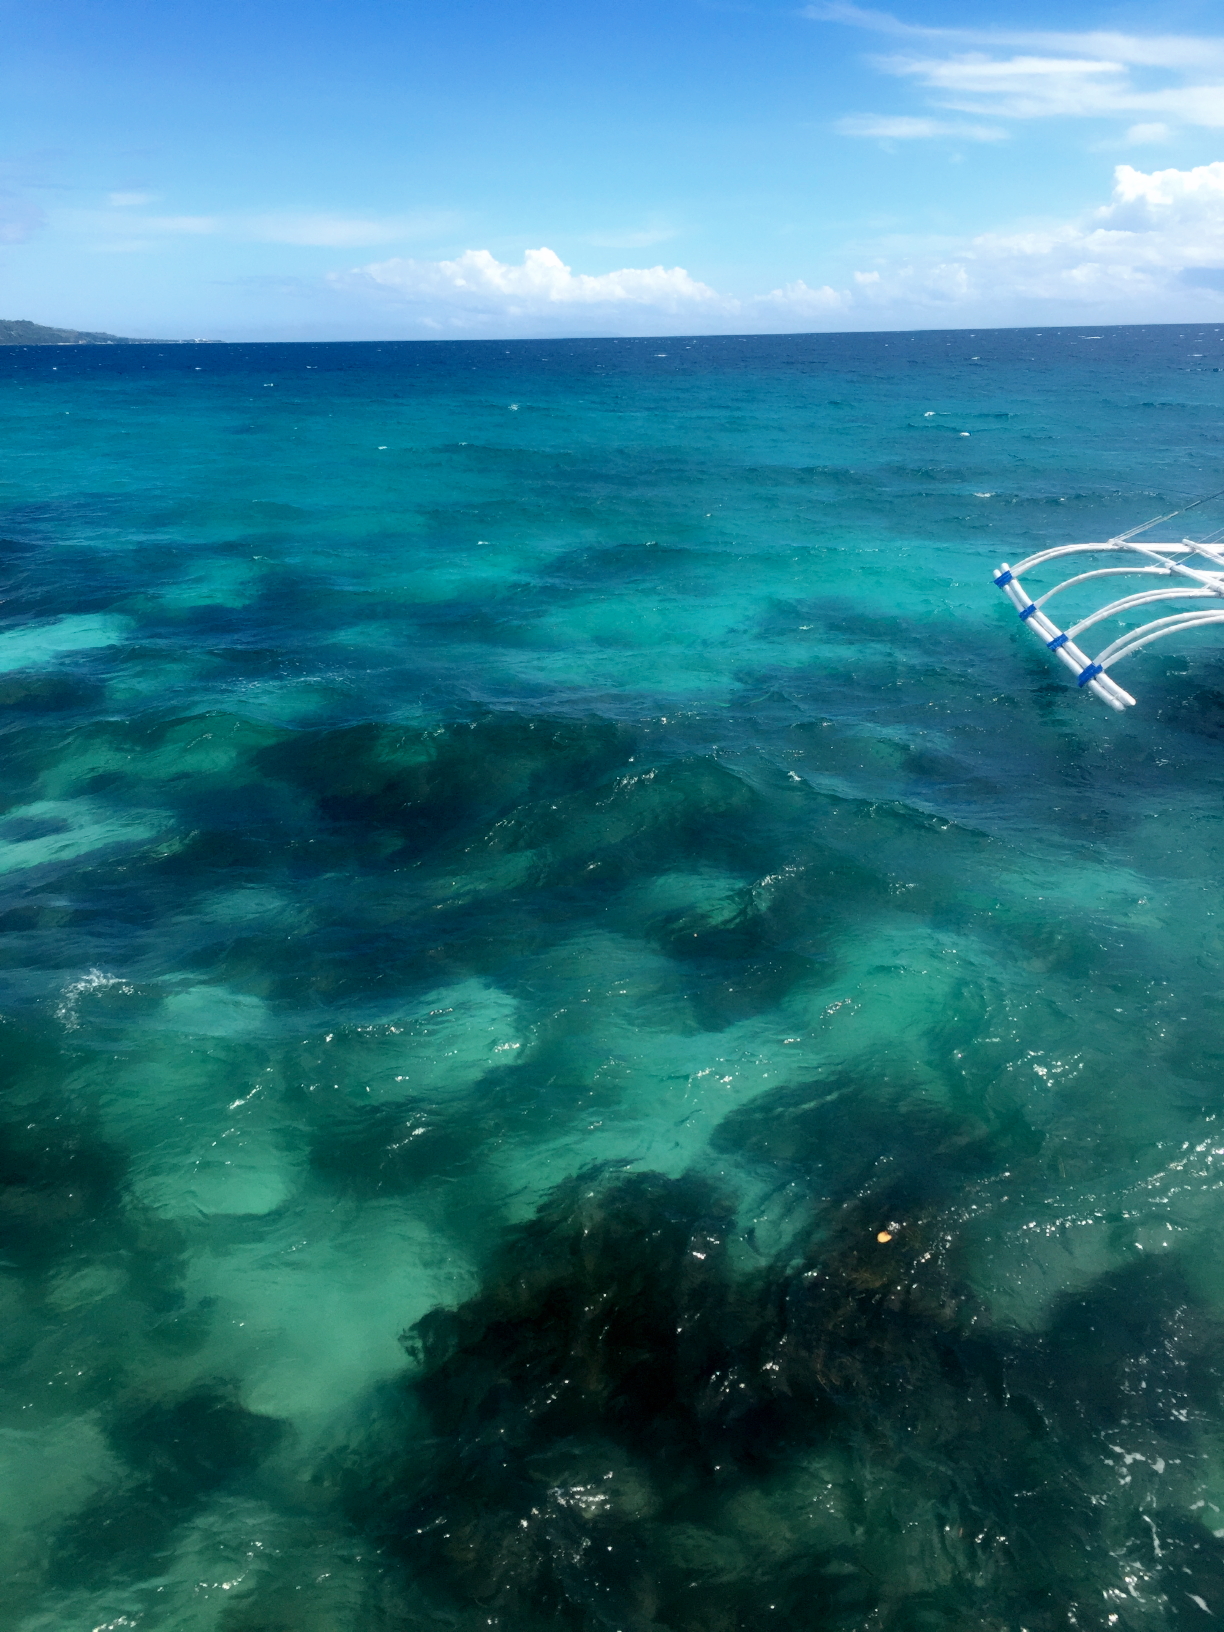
{"points": [[598, 339]]}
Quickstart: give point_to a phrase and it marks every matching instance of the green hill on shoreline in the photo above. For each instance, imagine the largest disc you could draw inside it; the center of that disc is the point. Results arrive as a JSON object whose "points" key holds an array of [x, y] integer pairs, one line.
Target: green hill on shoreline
{"points": [[19, 332]]}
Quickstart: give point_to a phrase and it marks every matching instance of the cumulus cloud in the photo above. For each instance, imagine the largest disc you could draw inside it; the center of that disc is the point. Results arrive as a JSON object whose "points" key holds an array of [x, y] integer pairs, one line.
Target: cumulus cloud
{"points": [[477, 294], [1040, 74], [1133, 259], [1154, 251], [477, 287], [797, 301]]}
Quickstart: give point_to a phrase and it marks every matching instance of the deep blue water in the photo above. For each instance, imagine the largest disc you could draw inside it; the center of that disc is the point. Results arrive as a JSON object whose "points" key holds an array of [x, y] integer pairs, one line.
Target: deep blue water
{"points": [[591, 1037]]}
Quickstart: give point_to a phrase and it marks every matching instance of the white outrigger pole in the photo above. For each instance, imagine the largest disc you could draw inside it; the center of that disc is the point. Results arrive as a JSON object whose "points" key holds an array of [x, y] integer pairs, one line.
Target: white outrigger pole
{"points": [[1199, 567]]}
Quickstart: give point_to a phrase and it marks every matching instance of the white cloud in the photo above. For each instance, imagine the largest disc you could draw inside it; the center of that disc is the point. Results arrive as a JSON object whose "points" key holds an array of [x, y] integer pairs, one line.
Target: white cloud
{"points": [[476, 286], [1153, 201], [1142, 135], [1153, 253], [1141, 50], [1029, 87], [1136, 258], [1016, 87], [130, 201], [1038, 74], [898, 128], [477, 294], [798, 302]]}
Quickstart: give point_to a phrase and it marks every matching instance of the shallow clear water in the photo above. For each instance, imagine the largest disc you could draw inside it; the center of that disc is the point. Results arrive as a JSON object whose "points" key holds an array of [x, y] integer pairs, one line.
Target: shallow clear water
{"points": [[561, 843]]}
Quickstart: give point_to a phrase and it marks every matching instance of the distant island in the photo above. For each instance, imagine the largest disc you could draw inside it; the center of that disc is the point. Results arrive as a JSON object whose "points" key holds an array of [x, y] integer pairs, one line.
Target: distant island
{"points": [[18, 332]]}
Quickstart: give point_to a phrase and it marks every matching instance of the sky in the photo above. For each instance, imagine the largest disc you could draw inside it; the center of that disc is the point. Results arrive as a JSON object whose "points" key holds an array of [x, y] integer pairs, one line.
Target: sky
{"points": [[367, 169]]}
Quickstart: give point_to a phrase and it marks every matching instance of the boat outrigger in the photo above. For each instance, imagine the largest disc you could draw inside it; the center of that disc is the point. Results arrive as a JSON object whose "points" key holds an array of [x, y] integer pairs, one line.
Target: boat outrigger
{"points": [[1198, 568]]}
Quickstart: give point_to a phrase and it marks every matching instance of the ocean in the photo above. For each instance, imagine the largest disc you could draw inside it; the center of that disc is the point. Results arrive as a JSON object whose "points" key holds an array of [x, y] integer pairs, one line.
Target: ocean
{"points": [[592, 1035]]}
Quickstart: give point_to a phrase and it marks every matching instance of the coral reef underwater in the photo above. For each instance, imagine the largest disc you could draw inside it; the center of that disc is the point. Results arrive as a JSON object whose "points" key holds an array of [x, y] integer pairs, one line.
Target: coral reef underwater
{"points": [[638, 1423], [606, 890]]}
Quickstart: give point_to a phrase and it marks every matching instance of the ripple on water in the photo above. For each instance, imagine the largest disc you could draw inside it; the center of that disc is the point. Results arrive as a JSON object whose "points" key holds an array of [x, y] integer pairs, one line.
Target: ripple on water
{"points": [[608, 895]]}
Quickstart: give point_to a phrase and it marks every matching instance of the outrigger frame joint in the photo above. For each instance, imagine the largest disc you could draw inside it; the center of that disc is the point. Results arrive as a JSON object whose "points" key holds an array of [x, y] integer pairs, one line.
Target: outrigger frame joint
{"points": [[1197, 567]]}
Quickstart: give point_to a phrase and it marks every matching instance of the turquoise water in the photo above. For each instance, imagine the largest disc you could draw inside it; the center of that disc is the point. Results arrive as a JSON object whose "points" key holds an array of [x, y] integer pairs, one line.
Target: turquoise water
{"points": [[520, 863]]}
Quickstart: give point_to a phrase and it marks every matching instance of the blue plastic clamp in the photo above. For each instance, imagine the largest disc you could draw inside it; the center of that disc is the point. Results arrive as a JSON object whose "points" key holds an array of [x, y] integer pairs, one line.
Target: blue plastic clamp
{"points": [[1027, 611], [1059, 640], [1090, 673], [1003, 578]]}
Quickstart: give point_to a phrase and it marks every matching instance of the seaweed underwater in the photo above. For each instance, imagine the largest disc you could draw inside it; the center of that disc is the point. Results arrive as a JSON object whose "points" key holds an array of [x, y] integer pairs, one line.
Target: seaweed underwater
{"points": [[638, 1422], [761, 1387]]}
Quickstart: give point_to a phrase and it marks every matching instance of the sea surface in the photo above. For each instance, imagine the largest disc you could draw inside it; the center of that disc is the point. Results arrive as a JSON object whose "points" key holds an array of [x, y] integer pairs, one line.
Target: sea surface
{"points": [[592, 1036]]}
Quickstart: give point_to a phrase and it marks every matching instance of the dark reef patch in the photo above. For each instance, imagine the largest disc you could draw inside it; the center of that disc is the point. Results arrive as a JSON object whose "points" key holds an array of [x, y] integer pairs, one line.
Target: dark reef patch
{"points": [[842, 1140], [36, 693], [61, 1182], [179, 1451], [183, 1447], [429, 786], [58, 1182], [366, 1150], [625, 1428], [98, 1272]]}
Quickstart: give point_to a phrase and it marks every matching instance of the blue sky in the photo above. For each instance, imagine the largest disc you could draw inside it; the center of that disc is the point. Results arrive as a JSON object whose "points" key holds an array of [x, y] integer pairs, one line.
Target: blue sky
{"points": [[357, 168]]}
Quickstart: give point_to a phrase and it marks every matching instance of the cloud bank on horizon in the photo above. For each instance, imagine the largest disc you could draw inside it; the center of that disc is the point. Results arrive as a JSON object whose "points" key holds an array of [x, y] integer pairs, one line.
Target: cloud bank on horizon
{"points": [[829, 167], [1156, 246]]}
